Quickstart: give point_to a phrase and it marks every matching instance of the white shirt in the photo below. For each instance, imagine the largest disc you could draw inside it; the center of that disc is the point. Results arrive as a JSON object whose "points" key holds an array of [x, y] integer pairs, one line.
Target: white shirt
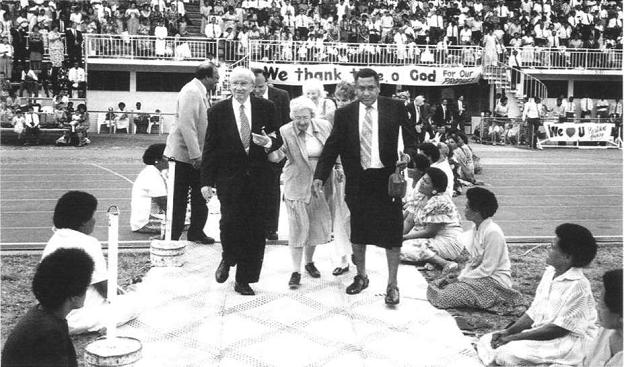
{"points": [[213, 30], [149, 184], [587, 104], [76, 75], [32, 119], [375, 159], [247, 105]]}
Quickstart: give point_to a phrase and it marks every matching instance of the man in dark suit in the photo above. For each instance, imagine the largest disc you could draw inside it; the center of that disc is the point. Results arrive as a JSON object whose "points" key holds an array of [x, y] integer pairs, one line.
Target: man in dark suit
{"points": [[282, 102], [419, 114], [73, 39], [365, 136], [241, 133], [443, 114]]}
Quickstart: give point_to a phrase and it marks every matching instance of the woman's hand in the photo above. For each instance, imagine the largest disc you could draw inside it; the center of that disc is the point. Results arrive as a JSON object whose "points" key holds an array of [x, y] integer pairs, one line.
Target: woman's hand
{"points": [[500, 338]]}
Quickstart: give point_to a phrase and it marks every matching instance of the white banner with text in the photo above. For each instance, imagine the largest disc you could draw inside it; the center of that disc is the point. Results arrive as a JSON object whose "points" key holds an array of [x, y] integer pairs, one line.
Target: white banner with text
{"points": [[568, 131], [296, 74]]}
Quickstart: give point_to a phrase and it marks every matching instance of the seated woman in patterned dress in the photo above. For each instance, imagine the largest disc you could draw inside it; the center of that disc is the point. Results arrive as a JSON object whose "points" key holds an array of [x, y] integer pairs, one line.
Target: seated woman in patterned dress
{"points": [[485, 282], [606, 348], [435, 226], [562, 317]]}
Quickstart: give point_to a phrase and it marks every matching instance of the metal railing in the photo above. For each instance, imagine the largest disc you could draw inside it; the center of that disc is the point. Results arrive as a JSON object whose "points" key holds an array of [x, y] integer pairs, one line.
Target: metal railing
{"points": [[570, 58], [514, 79], [363, 53]]}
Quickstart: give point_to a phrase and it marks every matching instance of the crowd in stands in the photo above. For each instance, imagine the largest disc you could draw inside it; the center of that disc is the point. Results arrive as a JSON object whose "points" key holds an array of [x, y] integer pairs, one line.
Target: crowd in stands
{"points": [[415, 28]]}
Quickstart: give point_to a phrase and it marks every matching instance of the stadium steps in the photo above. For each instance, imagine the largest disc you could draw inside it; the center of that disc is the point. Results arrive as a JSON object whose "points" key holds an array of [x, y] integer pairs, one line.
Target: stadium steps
{"points": [[192, 11]]}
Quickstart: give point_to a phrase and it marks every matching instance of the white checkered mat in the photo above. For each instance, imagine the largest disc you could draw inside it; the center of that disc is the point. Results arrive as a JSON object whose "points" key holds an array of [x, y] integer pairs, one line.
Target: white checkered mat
{"points": [[191, 320]]}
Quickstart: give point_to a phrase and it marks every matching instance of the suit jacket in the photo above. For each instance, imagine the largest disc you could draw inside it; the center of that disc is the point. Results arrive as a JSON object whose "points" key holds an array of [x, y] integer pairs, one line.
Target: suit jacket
{"points": [[425, 114], [439, 117], [186, 139], [73, 41], [344, 141], [225, 162], [299, 170], [282, 101]]}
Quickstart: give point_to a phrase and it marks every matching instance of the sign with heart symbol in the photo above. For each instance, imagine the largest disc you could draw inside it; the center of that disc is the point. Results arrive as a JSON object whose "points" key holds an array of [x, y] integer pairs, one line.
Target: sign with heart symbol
{"points": [[570, 131]]}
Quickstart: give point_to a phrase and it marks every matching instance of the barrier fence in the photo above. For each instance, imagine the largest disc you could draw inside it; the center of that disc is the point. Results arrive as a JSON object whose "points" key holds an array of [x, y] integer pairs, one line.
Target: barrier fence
{"points": [[551, 132]]}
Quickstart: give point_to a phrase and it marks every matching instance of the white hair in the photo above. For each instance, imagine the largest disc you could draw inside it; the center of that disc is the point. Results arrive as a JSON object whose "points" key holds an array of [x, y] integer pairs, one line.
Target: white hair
{"points": [[243, 72], [302, 103], [313, 85]]}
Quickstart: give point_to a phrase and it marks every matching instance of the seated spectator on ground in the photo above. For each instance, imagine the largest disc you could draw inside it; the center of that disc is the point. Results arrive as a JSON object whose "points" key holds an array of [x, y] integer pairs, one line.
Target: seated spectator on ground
{"points": [[463, 155], [416, 169], [606, 348], [41, 338], [431, 230], [18, 122], [485, 282], [149, 192], [561, 320], [74, 221], [444, 165]]}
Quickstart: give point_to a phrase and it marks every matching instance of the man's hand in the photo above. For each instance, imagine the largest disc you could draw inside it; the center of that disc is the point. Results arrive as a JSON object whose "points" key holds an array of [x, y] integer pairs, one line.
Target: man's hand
{"points": [[261, 140], [207, 192], [317, 188], [339, 174], [196, 162], [403, 160], [499, 338]]}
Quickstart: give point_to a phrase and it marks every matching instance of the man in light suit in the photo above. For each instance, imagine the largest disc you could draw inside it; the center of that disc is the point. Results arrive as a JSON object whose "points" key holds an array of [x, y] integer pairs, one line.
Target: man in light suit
{"points": [[282, 102], [185, 145], [419, 114], [365, 136], [241, 133]]}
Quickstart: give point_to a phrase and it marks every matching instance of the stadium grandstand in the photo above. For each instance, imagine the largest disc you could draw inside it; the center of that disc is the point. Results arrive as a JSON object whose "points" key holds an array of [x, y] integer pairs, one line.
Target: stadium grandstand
{"points": [[107, 52]]}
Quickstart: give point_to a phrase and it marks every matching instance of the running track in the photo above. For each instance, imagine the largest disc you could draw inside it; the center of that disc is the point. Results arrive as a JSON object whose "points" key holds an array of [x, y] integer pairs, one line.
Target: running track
{"points": [[537, 190]]}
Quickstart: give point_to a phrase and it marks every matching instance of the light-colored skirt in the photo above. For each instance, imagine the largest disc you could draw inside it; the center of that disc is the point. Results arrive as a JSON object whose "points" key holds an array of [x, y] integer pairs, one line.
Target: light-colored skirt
{"points": [[309, 224], [422, 249]]}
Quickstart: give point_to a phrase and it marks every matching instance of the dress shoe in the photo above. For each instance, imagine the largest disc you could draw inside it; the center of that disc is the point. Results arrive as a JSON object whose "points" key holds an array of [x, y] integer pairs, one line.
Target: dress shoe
{"points": [[340, 271], [223, 272], [272, 236], [359, 283], [392, 295], [204, 240], [244, 289], [294, 281], [312, 270]]}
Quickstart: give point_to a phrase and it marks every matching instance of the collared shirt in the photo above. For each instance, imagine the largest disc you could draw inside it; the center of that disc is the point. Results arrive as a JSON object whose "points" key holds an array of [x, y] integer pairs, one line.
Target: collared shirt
{"points": [[247, 105], [565, 301], [375, 158], [531, 110]]}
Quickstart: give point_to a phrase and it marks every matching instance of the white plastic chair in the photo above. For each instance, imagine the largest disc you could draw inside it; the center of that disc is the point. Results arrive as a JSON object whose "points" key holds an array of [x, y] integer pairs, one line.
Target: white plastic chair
{"points": [[101, 120], [158, 123]]}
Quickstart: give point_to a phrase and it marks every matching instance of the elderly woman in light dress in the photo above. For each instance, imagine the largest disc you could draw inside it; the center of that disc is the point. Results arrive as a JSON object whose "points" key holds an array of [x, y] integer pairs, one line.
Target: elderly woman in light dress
{"points": [[308, 216], [313, 89]]}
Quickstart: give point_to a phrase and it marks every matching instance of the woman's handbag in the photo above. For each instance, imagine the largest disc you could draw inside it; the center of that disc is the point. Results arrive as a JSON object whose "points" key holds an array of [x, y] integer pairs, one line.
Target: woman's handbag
{"points": [[397, 184]]}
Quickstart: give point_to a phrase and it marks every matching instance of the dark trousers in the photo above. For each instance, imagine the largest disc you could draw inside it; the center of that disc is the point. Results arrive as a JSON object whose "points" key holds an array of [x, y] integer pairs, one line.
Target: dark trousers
{"points": [[242, 231], [534, 124], [187, 178], [274, 199]]}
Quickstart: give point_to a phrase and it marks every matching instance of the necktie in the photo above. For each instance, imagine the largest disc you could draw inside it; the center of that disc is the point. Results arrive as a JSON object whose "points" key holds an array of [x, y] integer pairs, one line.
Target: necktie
{"points": [[417, 114], [245, 128], [366, 143]]}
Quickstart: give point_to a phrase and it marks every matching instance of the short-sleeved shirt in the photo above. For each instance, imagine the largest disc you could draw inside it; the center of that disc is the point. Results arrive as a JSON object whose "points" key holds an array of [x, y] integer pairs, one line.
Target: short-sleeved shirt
{"points": [[149, 185], [565, 301], [68, 238]]}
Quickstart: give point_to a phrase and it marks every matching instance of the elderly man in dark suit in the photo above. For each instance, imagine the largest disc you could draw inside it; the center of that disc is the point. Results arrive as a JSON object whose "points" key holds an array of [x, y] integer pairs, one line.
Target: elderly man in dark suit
{"points": [[419, 113], [365, 136], [241, 133], [282, 102]]}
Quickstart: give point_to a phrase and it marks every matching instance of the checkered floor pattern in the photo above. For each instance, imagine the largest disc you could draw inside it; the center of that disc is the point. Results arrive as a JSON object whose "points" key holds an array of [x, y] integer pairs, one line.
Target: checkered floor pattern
{"points": [[190, 320]]}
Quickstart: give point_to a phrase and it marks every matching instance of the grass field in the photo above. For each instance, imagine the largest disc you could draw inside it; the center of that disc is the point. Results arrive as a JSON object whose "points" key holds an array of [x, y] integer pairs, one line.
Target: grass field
{"points": [[528, 262]]}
